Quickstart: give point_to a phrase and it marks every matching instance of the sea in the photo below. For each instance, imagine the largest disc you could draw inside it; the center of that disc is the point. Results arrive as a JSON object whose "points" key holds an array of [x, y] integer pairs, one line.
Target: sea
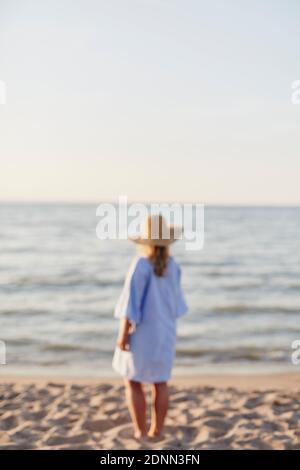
{"points": [[59, 284]]}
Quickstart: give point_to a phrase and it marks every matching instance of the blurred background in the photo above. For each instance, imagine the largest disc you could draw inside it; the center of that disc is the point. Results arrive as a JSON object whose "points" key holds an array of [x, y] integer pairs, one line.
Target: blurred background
{"points": [[158, 101]]}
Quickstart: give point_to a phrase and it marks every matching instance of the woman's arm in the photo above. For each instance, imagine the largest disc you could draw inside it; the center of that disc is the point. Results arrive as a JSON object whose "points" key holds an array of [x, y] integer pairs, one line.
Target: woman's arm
{"points": [[122, 341]]}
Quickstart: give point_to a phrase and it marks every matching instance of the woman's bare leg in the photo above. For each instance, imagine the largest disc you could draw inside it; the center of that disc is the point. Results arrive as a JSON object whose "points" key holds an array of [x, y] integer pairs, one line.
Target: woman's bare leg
{"points": [[160, 403], [137, 407]]}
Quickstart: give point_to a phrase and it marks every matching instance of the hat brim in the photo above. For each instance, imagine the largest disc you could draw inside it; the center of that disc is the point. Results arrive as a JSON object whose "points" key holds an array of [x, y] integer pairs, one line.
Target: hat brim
{"points": [[158, 241]]}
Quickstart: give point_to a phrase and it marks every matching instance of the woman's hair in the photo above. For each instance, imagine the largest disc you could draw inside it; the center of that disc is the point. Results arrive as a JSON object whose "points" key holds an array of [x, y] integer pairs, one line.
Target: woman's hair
{"points": [[158, 255]]}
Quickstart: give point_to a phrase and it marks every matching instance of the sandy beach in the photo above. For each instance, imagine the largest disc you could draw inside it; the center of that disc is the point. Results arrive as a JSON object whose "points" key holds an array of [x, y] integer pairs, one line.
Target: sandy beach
{"points": [[206, 412]]}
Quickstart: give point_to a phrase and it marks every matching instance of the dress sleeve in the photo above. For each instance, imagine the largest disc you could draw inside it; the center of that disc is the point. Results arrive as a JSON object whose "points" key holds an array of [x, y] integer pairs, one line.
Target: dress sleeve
{"points": [[131, 300], [182, 307]]}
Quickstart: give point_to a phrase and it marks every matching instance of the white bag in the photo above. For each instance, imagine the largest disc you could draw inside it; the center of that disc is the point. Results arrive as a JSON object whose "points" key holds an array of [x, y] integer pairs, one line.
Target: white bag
{"points": [[123, 363]]}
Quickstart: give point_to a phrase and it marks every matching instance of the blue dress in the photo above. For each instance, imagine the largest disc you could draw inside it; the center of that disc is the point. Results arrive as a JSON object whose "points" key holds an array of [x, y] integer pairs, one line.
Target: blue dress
{"points": [[152, 304]]}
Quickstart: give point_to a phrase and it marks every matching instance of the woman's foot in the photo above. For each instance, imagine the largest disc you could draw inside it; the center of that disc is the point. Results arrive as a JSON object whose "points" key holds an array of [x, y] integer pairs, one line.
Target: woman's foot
{"points": [[154, 433], [139, 435]]}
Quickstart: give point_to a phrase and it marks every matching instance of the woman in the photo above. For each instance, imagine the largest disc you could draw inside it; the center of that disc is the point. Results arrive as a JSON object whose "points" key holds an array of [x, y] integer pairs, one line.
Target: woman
{"points": [[149, 305]]}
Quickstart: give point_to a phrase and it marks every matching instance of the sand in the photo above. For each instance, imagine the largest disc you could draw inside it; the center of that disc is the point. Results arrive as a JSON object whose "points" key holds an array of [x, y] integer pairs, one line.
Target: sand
{"points": [[206, 412]]}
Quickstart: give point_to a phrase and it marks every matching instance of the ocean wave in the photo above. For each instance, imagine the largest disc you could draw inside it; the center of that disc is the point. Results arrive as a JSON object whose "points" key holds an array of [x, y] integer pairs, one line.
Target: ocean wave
{"points": [[243, 308], [246, 285], [78, 315], [233, 354], [66, 347], [21, 341], [293, 286], [53, 363], [23, 312], [29, 283]]}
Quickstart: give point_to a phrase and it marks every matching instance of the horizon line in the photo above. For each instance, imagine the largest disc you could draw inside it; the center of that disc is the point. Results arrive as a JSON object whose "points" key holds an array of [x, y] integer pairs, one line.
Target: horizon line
{"points": [[110, 201]]}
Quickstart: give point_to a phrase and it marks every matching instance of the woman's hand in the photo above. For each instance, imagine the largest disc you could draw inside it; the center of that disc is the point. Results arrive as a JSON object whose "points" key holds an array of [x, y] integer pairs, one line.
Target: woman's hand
{"points": [[122, 343]]}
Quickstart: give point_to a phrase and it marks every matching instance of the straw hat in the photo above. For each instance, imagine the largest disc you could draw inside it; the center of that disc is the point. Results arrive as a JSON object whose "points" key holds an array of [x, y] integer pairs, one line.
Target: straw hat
{"points": [[157, 233]]}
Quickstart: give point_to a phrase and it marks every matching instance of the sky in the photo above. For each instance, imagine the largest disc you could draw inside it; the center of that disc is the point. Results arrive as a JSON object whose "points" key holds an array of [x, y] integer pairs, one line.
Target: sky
{"points": [[159, 100]]}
